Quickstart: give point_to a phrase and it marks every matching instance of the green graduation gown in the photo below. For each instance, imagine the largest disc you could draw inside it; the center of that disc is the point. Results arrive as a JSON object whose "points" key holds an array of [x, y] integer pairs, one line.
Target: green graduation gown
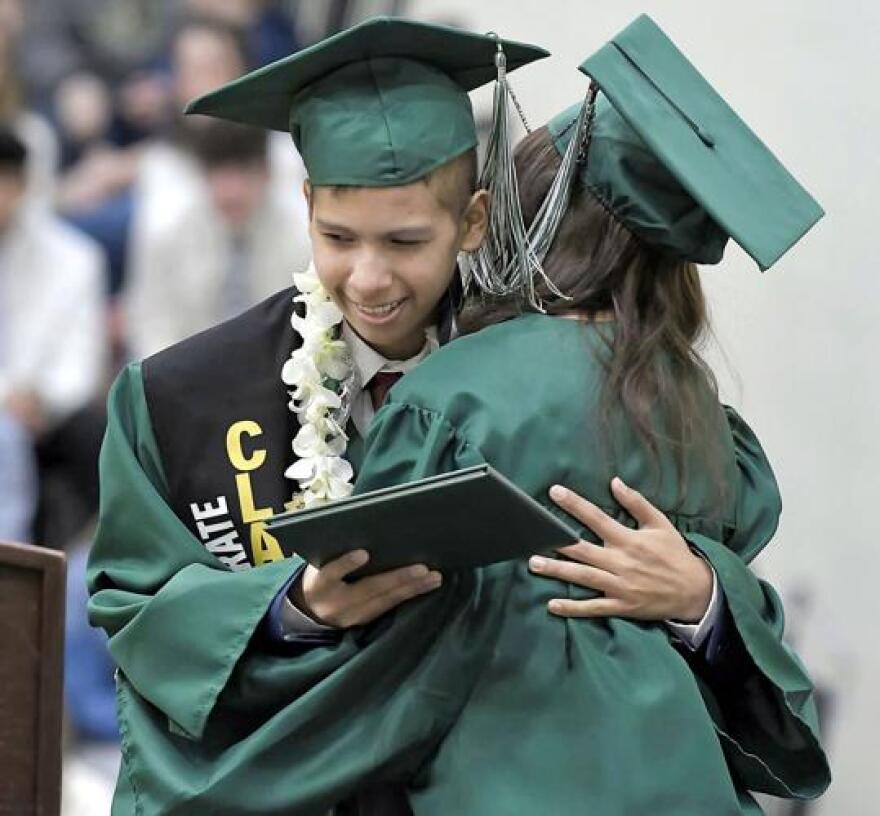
{"points": [[214, 719], [601, 716]]}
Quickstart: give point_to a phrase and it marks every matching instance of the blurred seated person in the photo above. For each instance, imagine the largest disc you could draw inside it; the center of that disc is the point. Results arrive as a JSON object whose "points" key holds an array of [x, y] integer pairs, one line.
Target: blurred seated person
{"points": [[220, 256], [113, 38], [31, 128], [18, 480], [94, 185], [128, 170], [267, 25], [51, 341], [92, 167], [205, 53]]}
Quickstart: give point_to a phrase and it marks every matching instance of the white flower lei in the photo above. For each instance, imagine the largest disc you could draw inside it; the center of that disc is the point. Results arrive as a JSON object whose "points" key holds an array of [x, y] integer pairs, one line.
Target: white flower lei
{"points": [[322, 473]]}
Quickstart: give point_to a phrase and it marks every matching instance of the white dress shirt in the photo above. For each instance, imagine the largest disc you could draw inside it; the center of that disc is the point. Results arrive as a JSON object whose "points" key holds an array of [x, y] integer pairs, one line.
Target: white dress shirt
{"points": [[367, 363]]}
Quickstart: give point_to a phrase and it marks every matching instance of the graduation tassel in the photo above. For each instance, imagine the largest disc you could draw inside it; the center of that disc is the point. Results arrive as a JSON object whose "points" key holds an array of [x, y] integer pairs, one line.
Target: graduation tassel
{"points": [[509, 262], [502, 265], [555, 205]]}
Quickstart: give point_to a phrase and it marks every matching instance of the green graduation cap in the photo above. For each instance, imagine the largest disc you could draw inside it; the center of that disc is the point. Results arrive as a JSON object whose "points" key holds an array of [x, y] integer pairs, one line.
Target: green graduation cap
{"points": [[381, 104], [670, 158]]}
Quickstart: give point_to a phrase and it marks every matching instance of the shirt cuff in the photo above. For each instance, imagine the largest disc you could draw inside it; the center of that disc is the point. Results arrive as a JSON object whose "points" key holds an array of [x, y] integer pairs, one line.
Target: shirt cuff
{"points": [[693, 635], [296, 622], [284, 623]]}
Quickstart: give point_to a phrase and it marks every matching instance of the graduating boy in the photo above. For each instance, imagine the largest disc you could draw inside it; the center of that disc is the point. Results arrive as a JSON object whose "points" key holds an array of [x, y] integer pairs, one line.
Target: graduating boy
{"points": [[234, 693], [218, 713]]}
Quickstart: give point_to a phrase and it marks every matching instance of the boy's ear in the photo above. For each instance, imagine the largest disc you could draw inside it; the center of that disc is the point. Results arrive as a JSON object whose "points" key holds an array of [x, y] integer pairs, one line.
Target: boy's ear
{"points": [[475, 221], [307, 192]]}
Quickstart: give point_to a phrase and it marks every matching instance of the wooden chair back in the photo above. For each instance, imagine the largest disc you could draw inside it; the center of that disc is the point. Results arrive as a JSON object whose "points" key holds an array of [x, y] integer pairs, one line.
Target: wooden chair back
{"points": [[31, 679]]}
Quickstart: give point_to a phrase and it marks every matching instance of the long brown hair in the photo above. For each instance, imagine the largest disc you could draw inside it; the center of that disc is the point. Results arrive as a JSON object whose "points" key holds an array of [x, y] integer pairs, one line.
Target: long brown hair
{"points": [[653, 369]]}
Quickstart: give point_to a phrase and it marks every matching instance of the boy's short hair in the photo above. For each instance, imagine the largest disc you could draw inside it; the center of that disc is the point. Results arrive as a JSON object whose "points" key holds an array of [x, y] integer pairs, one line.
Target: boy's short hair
{"points": [[13, 153], [453, 183]]}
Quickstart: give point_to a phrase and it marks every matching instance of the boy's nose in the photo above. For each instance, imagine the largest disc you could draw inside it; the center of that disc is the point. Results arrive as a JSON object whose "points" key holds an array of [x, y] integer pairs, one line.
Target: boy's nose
{"points": [[370, 275]]}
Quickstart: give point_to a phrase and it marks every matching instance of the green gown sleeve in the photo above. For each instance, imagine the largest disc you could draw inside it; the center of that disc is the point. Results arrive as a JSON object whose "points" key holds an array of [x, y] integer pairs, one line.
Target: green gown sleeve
{"points": [[213, 721], [155, 589], [757, 690], [407, 442]]}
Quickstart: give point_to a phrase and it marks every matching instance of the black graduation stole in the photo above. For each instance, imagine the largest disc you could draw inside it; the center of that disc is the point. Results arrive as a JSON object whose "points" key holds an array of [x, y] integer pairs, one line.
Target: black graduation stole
{"points": [[220, 417]]}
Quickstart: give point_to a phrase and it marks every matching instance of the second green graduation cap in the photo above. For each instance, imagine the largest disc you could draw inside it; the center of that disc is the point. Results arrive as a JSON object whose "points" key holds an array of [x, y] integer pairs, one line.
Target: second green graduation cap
{"points": [[673, 161], [381, 104]]}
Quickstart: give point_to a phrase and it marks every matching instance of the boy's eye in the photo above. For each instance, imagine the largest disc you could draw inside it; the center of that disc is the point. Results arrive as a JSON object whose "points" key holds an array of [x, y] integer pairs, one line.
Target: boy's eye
{"points": [[336, 238], [401, 242]]}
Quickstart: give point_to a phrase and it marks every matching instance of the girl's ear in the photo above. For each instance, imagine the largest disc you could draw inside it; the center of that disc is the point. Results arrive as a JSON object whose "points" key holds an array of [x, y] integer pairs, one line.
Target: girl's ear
{"points": [[475, 221]]}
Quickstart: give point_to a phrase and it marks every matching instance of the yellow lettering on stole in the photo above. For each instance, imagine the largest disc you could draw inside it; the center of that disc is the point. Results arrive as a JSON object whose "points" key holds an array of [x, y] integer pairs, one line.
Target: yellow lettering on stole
{"points": [[265, 548], [233, 445], [249, 513]]}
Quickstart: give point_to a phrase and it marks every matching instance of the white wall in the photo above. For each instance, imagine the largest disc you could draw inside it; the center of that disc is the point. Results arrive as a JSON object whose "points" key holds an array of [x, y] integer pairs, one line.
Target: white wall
{"points": [[800, 340]]}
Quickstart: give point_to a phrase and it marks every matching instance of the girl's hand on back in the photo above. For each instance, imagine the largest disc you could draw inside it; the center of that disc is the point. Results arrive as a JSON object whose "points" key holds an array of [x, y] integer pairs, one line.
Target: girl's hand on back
{"points": [[648, 573]]}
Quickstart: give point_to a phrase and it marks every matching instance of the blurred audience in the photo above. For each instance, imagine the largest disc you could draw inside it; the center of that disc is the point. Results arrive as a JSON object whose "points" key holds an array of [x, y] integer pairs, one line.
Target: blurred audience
{"points": [[268, 29], [93, 168], [92, 761], [88, 680], [220, 256], [18, 477], [219, 217], [110, 38], [31, 128], [124, 227], [51, 317]]}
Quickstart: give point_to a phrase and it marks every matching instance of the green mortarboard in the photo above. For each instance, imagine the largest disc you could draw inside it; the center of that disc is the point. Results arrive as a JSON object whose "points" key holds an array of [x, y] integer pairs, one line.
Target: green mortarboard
{"points": [[381, 104], [674, 162]]}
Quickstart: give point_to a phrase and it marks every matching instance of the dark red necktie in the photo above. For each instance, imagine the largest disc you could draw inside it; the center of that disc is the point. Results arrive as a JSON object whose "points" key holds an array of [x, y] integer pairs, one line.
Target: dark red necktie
{"points": [[380, 385]]}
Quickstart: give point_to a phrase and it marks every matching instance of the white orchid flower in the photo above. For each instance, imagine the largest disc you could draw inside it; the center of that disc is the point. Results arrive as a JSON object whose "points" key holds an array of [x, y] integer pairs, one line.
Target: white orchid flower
{"points": [[307, 329], [331, 358], [299, 368], [321, 402], [331, 480], [303, 470], [322, 471], [326, 315], [323, 475], [311, 442], [308, 280]]}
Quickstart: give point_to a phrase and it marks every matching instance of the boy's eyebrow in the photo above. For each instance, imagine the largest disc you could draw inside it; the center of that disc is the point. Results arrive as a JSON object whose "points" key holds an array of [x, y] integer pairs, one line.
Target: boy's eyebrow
{"points": [[329, 225], [404, 233], [411, 233]]}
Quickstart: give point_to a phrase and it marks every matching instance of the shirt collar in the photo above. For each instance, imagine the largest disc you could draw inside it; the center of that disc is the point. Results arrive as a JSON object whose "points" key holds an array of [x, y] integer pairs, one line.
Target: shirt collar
{"points": [[368, 362]]}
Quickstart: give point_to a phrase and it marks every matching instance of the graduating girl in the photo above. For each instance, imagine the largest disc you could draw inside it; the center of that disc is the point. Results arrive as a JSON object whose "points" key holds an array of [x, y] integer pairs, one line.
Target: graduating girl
{"points": [[584, 370]]}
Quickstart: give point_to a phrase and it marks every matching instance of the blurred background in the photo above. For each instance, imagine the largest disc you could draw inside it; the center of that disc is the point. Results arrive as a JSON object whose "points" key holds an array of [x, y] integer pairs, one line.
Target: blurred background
{"points": [[125, 227]]}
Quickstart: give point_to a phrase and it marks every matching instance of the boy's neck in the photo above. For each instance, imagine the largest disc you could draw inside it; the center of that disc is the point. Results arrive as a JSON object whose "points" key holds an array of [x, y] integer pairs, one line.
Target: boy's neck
{"points": [[362, 349]]}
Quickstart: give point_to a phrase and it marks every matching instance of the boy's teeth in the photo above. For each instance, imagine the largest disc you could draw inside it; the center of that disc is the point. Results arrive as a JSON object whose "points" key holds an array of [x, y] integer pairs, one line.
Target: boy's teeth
{"points": [[379, 310]]}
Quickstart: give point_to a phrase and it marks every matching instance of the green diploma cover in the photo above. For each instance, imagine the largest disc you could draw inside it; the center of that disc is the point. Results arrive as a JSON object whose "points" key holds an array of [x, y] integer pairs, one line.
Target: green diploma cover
{"points": [[468, 518]]}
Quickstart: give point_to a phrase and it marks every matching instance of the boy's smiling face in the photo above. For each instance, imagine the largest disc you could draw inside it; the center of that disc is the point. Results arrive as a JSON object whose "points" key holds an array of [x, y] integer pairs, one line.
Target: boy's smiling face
{"points": [[386, 255]]}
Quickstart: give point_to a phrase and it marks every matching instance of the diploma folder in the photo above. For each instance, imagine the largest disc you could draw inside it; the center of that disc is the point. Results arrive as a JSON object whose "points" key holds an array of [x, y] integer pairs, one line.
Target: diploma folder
{"points": [[467, 518]]}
